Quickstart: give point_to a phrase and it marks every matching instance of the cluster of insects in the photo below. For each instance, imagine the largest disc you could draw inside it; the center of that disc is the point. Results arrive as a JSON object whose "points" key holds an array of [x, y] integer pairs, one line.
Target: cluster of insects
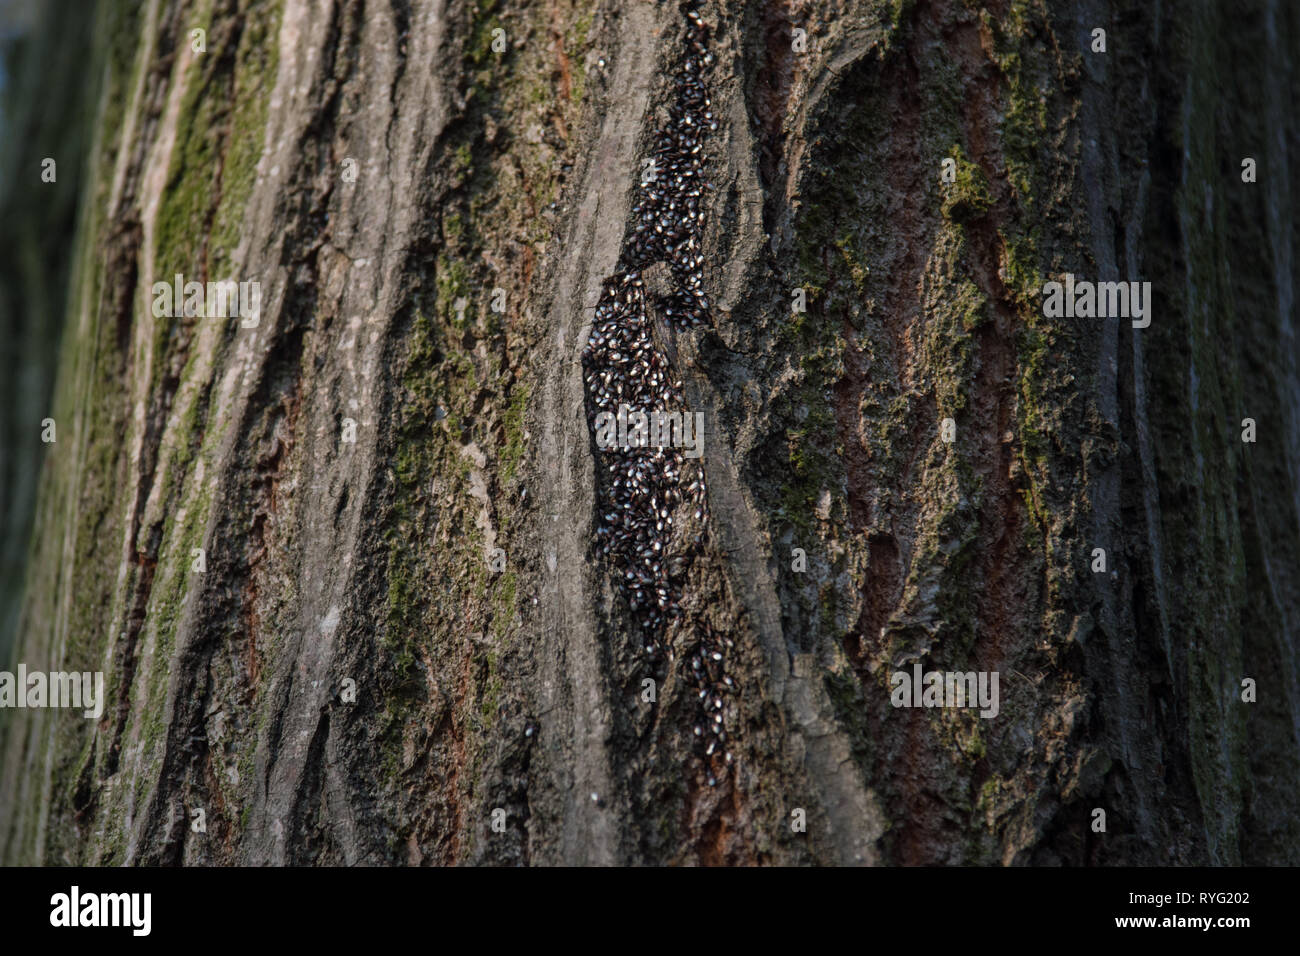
{"points": [[654, 502]]}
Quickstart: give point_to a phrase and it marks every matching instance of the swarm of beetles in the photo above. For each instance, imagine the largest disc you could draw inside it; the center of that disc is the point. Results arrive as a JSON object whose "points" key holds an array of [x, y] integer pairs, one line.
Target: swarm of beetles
{"points": [[651, 498]]}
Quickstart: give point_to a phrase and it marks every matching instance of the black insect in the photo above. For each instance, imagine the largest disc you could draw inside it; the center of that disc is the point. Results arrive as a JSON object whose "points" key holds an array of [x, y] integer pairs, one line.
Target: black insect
{"points": [[646, 515]]}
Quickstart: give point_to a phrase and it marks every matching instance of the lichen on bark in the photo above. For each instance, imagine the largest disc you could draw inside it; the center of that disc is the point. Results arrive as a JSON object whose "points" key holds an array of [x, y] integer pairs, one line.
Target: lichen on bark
{"points": [[482, 162]]}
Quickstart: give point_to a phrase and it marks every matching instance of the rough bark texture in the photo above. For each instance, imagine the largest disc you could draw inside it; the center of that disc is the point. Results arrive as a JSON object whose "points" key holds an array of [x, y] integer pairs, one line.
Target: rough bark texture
{"points": [[329, 561]]}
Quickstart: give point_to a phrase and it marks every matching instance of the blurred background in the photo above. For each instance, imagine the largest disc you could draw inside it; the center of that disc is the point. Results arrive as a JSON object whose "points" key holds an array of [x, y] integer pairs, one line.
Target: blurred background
{"points": [[45, 53]]}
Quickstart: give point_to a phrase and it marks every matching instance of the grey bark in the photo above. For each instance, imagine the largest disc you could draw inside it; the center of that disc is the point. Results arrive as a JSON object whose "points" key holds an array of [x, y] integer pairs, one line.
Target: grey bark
{"points": [[333, 565]]}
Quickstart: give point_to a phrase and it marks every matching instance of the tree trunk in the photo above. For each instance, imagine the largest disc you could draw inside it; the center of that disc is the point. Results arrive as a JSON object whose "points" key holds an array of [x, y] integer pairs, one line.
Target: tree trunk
{"points": [[342, 567]]}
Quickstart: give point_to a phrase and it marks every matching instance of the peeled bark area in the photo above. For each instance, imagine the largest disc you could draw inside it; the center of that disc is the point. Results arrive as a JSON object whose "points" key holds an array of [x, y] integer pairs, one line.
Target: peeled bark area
{"points": [[353, 680]]}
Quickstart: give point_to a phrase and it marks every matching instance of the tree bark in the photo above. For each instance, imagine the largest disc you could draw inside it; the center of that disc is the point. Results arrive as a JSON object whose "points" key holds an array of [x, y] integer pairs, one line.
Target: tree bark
{"points": [[359, 675]]}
